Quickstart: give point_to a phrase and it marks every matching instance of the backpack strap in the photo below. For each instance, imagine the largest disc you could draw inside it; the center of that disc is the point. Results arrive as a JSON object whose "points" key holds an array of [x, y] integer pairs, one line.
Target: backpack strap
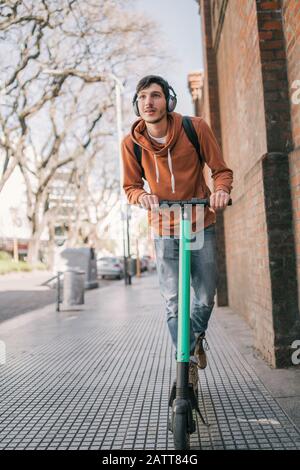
{"points": [[192, 135], [138, 155]]}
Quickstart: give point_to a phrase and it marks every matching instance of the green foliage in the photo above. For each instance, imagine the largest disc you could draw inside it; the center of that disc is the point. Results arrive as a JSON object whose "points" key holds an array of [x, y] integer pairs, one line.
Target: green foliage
{"points": [[4, 256], [8, 265]]}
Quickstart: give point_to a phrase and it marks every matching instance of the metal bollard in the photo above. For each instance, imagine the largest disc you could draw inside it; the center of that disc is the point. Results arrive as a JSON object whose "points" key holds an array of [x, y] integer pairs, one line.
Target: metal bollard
{"points": [[58, 291], [73, 288]]}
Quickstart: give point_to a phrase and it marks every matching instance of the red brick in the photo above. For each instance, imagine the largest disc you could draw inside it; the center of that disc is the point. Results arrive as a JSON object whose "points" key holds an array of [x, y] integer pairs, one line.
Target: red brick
{"points": [[263, 35], [278, 65], [272, 45], [270, 25], [270, 5]]}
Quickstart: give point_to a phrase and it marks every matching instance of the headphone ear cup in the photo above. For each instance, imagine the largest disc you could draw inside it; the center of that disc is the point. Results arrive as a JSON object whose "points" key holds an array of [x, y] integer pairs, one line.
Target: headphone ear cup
{"points": [[172, 101], [136, 108]]}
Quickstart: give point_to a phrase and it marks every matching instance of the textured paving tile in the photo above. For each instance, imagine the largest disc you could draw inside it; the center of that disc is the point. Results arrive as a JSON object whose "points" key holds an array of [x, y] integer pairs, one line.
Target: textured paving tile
{"points": [[102, 381]]}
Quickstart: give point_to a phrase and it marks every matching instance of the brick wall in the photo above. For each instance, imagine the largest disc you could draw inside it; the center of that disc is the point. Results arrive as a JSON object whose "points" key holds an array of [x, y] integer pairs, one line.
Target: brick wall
{"points": [[294, 159], [291, 18], [276, 179], [243, 144], [255, 131], [209, 109]]}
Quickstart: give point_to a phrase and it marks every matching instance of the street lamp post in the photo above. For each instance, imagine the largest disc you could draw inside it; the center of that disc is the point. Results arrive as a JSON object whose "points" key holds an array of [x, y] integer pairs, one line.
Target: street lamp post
{"points": [[124, 206]]}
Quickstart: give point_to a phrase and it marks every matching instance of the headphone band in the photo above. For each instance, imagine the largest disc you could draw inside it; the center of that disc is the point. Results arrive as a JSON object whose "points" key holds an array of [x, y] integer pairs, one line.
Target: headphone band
{"points": [[173, 91]]}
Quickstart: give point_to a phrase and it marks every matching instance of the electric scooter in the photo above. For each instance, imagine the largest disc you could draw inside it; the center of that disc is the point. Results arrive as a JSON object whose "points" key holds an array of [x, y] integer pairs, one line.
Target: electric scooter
{"points": [[183, 398]]}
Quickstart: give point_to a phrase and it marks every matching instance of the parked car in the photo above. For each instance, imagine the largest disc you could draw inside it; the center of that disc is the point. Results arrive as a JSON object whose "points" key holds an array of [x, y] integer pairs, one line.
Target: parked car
{"points": [[143, 264], [149, 263], [110, 266]]}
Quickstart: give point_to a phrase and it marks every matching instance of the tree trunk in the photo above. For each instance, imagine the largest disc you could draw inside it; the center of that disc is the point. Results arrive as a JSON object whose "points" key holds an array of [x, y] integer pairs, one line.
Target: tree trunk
{"points": [[37, 222], [33, 249], [51, 247]]}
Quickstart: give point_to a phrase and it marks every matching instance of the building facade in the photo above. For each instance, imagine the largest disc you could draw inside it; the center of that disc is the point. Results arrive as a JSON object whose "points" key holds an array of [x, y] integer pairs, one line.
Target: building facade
{"points": [[250, 95]]}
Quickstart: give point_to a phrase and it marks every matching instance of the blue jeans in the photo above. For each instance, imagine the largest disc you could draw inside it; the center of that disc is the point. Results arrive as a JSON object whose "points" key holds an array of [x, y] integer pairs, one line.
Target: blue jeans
{"points": [[203, 280]]}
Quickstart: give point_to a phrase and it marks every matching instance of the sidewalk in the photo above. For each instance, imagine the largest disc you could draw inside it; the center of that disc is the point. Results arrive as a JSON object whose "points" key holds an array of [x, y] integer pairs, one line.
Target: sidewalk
{"points": [[100, 378]]}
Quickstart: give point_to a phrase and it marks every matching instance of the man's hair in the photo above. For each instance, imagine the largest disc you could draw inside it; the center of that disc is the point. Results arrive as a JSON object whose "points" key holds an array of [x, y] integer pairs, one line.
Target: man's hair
{"points": [[145, 82]]}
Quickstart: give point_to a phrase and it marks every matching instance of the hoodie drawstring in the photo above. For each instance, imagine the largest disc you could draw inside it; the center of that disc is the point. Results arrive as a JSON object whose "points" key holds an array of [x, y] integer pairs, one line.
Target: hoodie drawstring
{"points": [[156, 169], [170, 169]]}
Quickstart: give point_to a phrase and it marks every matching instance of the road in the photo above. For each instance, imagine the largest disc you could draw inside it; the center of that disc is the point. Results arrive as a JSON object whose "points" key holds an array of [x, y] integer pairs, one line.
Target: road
{"points": [[23, 292]]}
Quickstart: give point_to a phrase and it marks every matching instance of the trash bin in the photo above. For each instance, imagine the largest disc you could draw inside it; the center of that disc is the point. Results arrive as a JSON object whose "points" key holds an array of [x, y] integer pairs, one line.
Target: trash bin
{"points": [[73, 290], [82, 259], [131, 266]]}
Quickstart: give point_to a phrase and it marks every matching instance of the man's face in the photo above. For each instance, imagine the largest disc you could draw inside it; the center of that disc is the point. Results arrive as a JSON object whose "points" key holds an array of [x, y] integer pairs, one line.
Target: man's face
{"points": [[152, 103]]}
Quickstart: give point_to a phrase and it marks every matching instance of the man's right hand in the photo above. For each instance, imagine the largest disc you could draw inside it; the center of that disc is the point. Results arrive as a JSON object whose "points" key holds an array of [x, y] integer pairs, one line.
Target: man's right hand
{"points": [[149, 201]]}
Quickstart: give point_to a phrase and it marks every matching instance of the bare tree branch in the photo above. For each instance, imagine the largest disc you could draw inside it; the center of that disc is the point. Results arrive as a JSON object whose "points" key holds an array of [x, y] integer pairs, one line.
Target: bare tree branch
{"points": [[58, 99]]}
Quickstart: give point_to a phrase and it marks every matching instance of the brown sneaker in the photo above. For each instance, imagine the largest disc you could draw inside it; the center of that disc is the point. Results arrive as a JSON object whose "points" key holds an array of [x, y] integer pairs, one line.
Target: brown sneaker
{"points": [[193, 375], [199, 353]]}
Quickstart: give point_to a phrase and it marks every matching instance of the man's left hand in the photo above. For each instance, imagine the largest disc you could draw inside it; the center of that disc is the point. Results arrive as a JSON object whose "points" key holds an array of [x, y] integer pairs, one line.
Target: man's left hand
{"points": [[219, 199]]}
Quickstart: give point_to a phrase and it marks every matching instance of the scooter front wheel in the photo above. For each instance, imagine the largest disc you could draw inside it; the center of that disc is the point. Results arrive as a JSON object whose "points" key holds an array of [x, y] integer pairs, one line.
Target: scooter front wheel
{"points": [[181, 435]]}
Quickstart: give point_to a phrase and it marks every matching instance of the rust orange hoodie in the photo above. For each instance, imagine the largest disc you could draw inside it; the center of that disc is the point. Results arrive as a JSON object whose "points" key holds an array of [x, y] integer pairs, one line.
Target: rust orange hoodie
{"points": [[173, 169]]}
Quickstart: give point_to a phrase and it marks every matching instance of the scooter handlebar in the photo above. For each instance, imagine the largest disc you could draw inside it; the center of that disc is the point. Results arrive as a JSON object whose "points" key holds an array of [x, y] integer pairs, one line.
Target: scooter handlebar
{"points": [[191, 202]]}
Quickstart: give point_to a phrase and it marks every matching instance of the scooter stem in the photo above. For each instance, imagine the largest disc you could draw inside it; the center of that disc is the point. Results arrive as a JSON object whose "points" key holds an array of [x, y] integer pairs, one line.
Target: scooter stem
{"points": [[183, 339]]}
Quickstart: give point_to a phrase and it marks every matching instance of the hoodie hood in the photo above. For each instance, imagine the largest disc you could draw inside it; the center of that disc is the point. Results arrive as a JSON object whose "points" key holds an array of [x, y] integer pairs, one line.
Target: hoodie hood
{"points": [[140, 136]]}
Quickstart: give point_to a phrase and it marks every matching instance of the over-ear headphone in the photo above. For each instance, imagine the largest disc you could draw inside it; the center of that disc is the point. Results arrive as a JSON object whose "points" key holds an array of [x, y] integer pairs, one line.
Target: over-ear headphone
{"points": [[171, 100]]}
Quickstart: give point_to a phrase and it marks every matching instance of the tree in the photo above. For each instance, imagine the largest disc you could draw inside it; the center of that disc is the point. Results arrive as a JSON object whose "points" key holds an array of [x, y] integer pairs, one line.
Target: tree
{"points": [[54, 121]]}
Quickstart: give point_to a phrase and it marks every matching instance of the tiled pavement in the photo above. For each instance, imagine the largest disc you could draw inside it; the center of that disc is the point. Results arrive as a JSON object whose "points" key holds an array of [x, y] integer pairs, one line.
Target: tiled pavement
{"points": [[100, 378]]}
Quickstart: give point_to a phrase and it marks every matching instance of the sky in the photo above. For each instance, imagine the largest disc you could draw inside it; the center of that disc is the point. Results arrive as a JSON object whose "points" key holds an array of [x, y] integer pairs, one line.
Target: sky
{"points": [[181, 24]]}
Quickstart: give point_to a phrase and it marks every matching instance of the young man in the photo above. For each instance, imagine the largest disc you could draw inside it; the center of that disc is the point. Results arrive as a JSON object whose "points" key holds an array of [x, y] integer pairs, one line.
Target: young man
{"points": [[172, 168]]}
